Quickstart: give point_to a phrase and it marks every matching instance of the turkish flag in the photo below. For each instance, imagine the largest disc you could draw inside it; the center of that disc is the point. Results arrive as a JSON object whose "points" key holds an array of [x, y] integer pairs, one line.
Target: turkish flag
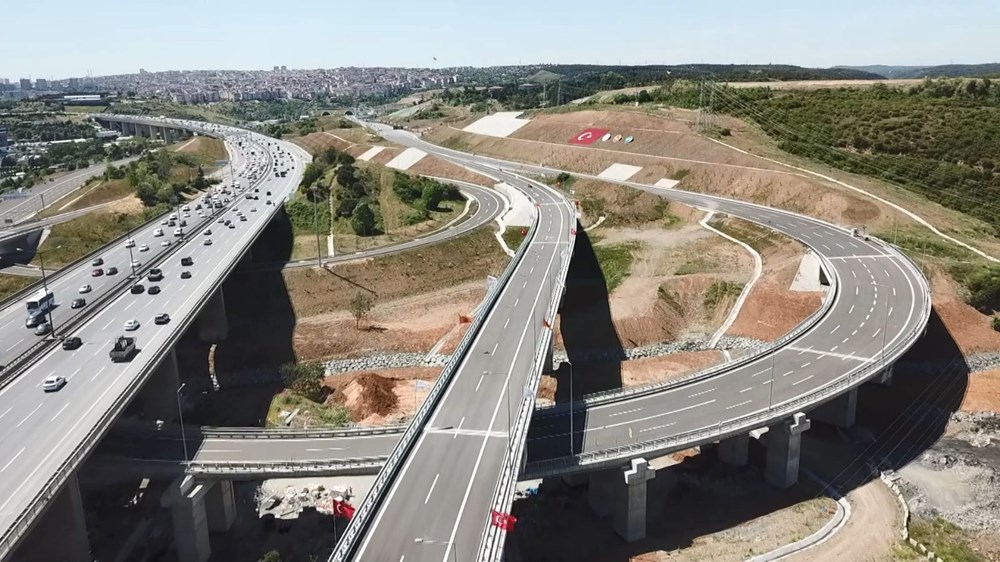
{"points": [[572, 231], [546, 323], [343, 509], [588, 136], [504, 521]]}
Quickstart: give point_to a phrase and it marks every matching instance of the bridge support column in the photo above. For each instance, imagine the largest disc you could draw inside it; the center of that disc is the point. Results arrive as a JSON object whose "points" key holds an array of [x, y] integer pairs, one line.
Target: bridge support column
{"points": [[548, 366], [61, 534], [159, 395], [735, 450], [784, 445], [840, 411], [247, 257], [884, 378], [220, 507], [212, 324], [630, 508], [186, 500]]}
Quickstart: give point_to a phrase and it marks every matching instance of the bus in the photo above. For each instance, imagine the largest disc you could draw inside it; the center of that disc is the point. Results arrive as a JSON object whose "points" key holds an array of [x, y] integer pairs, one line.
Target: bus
{"points": [[39, 305]]}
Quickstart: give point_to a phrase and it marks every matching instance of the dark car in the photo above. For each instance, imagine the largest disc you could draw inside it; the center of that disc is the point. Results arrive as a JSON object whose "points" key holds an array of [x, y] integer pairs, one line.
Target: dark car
{"points": [[112, 271], [155, 274], [97, 272], [187, 261], [137, 289], [78, 303], [97, 262], [72, 343], [161, 318], [154, 290], [185, 274]]}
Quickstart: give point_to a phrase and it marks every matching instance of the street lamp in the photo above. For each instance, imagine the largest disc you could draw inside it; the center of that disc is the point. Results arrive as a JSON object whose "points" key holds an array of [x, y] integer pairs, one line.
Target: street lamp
{"points": [[450, 544], [572, 445], [319, 251], [180, 413], [45, 286]]}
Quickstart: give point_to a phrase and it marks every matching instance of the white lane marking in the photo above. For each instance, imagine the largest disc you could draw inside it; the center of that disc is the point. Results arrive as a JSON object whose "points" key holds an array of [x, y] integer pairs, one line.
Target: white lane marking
{"points": [[825, 246], [851, 311], [468, 433], [867, 316], [532, 270], [7, 412], [478, 384], [655, 427], [802, 381], [220, 450], [25, 418], [760, 372], [855, 290], [834, 348], [459, 428], [505, 323], [893, 290], [854, 274], [876, 332], [640, 420], [495, 348], [835, 329], [702, 392], [11, 461], [15, 344], [804, 365], [60, 411], [517, 300], [788, 373], [429, 492], [806, 350], [738, 405], [98, 373], [890, 312], [839, 245], [748, 389], [525, 284], [625, 412], [845, 339]]}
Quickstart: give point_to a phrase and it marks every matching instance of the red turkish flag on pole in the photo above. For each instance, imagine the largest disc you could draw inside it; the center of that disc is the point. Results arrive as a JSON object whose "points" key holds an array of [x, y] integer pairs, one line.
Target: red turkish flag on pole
{"points": [[504, 521], [343, 509], [572, 231], [546, 323]]}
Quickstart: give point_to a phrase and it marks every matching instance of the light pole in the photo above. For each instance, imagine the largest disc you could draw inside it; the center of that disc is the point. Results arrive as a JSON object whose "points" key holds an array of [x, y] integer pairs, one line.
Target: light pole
{"points": [[572, 445], [319, 250], [450, 544], [180, 413]]}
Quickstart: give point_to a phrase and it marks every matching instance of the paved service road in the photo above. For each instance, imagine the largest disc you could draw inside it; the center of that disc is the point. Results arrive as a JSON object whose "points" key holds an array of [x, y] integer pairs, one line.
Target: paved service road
{"points": [[42, 431]]}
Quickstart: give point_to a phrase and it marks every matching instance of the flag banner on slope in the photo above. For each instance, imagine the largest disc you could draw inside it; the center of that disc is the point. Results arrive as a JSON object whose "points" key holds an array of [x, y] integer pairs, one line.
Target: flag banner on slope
{"points": [[504, 521], [343, 509], [588, 136]]}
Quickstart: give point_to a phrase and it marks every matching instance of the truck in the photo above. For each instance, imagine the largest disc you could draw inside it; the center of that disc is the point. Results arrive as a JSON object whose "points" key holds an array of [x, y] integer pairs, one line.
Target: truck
{"points": [[39, 305], [123, 349]]}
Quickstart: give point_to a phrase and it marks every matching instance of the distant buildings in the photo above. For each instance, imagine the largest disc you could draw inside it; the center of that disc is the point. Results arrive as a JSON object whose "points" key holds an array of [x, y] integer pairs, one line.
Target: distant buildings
{"points": [[25, 84], [41, 84]]}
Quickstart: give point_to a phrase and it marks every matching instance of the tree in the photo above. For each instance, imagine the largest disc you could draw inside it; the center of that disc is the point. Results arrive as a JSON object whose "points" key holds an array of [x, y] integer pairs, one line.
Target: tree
{"points": [[200, 182], [432, 195], [270, 556], [363, 219], [164, 163], [360, 306], [306, 380], [644, 97]]}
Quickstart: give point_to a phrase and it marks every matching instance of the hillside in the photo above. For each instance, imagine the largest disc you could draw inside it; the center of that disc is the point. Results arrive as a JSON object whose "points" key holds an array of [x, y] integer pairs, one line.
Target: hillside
{"points": [[941, 71]]}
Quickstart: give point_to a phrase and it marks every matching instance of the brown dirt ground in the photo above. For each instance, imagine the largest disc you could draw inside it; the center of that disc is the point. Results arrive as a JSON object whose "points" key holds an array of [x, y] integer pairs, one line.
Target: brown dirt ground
{"points": [[384, 396], [210, 148], [772, 309], [968, 327], [318, 142], [983, 394], [434, 166]]}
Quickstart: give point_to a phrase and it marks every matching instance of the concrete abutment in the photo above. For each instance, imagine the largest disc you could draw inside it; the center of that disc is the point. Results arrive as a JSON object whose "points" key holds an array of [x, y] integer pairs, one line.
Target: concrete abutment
{"points": [[212, 324], [61, 533], [784, 447], [621, 493], [198, 508]]}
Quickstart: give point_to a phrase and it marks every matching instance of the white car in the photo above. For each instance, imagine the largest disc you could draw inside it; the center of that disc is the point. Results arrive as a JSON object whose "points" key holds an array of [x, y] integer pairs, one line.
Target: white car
{"points": [[158, 232], [136, 263], [132, 325], [144, 248], [165, 243], [53, 383], [86, 288], [130, 243]]}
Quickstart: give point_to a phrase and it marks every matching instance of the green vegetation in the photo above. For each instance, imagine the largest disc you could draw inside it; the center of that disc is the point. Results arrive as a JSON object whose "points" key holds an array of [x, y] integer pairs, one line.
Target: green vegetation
{"points": [[10, 284], [64, 157], [74, 239], [513, 236], [698, 265], [361, 304], [332, 415], [163, 177], [719, 291], [306, 380], [616, 262], [946, 539], [757, 237]]}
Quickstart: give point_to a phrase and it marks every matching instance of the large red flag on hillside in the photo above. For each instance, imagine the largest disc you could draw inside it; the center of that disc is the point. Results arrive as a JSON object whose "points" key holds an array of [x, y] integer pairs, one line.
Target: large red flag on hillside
{"points": [[504, 521]]}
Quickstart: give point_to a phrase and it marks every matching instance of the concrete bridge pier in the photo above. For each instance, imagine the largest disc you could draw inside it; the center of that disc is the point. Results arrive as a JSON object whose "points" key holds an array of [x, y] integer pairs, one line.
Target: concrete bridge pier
{"points": [[198, 508], [159, 394], [839, 412], [735, 450], [621, 493], [884, 378], [784, 446], [212, 324], [61, 533]]}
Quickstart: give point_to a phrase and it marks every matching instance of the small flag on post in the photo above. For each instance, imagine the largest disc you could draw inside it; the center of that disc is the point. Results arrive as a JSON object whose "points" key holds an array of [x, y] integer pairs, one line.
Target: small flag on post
{"points": [[524, 232], [343, 509], [504, 521], [463, 319], [572, 231], [546, 323]]}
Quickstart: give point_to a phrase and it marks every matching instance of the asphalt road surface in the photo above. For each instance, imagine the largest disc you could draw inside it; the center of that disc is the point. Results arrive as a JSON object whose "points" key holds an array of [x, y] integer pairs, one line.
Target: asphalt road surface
{"points": [[40, 431]]}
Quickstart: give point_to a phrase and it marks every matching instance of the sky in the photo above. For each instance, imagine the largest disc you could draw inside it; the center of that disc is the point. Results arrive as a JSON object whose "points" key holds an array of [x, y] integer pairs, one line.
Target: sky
{"points": [[68, 38]]}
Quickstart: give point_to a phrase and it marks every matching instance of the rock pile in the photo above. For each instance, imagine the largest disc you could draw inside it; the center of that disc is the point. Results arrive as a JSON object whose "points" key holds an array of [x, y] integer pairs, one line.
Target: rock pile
{"points": [[385, 361], [290, 503]]}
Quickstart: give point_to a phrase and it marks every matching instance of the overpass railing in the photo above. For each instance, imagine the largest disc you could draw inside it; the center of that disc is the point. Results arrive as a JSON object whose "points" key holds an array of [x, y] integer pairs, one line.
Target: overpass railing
{"points": [[492, 542], [271, 469], [289, 433], [613, 456], [51, 488], [369, 506]]}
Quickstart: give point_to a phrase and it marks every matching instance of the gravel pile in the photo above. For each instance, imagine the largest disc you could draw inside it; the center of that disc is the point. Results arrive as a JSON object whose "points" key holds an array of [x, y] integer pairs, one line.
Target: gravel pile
{"points": [[385, 361], [290, 503], [665, 348]]}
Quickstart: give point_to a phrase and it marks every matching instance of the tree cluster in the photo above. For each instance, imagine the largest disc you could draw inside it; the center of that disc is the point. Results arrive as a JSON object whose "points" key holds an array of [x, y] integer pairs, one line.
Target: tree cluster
{"points": [[306, 380]]}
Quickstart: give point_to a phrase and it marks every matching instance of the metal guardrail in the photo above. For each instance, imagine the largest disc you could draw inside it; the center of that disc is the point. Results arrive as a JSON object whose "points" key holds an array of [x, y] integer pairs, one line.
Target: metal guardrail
{"points": [[386, 476], [270, 469], [42, 499], [491, 544], [854, 377], [317, 433]]}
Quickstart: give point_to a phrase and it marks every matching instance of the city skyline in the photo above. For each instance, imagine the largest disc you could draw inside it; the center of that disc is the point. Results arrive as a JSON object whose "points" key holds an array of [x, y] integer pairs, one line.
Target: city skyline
{"points": [[444, 34]]}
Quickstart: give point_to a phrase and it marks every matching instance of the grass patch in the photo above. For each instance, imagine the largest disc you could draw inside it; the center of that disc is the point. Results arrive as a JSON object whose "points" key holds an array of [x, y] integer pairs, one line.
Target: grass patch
{"points": [[74, 239], [456, 143], [334, 415], [720, 291], [207, 150], [10, 284], [946, 539], [920, 242], [616, 262], [513, 236], [98, 193], [84, 108], [698, 265]]}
